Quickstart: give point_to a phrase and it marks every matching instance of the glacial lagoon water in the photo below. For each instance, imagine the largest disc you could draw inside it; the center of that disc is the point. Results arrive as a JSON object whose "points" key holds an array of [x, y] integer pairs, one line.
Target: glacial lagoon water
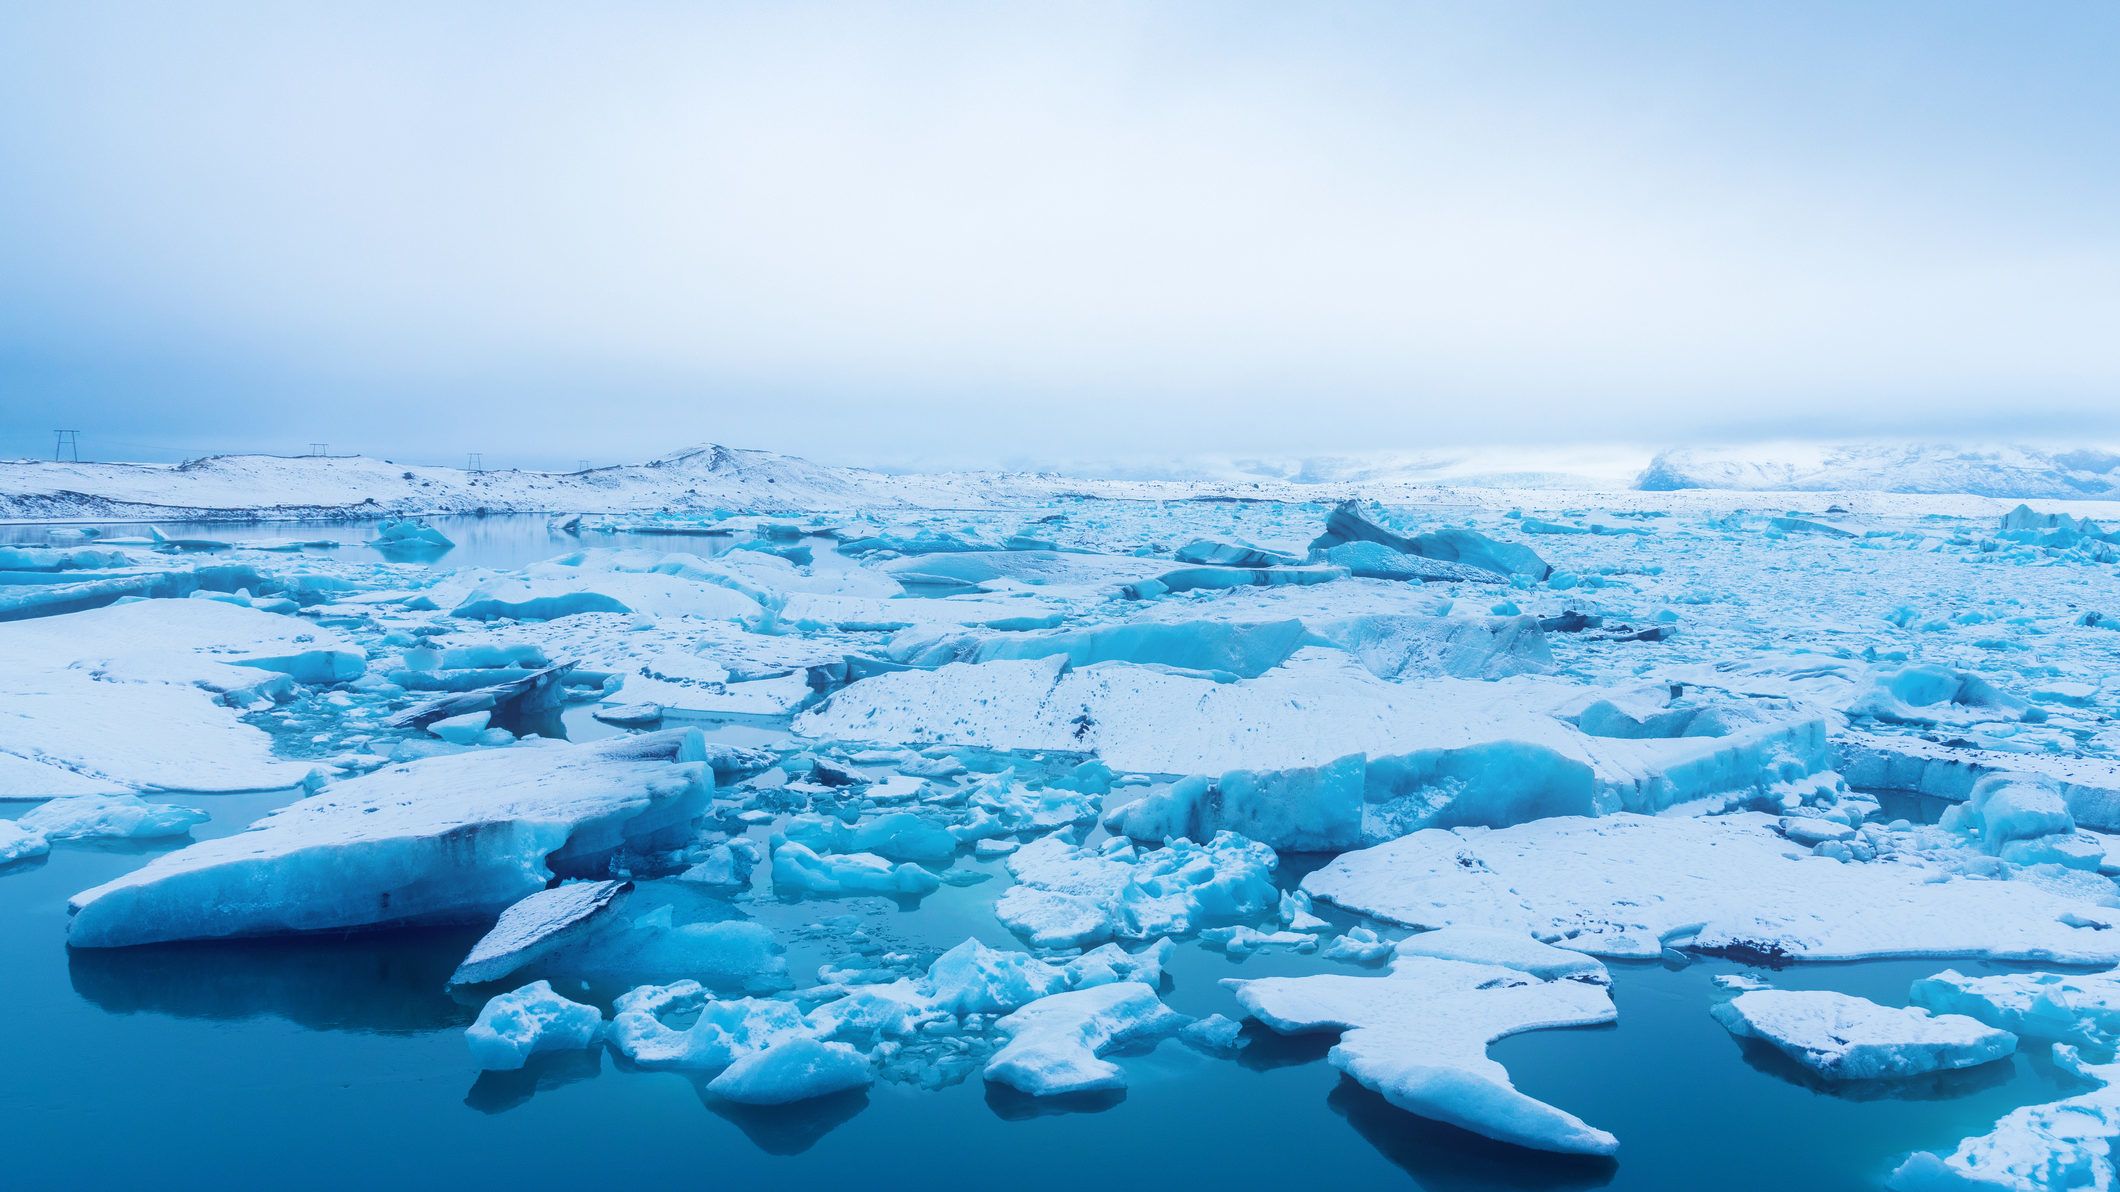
{"points": [[496, 540], [159, 1067]]}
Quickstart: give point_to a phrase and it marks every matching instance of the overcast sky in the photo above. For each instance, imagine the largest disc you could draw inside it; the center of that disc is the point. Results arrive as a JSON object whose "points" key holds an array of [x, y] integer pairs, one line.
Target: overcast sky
{"points": [[1016, 233]]}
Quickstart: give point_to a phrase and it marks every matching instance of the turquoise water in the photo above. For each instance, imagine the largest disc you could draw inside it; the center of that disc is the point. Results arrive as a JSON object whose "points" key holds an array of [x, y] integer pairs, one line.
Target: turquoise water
{"points": [[500, 540], [342, 1059]]}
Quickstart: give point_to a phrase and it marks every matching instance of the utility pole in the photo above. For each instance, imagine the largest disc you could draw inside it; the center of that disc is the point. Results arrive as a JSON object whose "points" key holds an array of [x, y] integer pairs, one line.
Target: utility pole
{"points": [[320, 449], [66, 444], [477, 463]]}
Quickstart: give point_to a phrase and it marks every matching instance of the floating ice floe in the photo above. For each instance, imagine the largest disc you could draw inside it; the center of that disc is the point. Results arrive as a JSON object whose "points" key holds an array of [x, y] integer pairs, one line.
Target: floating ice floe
{"points": [[535, 926], [1842, 1037], [450, 839], [109, 817], [1631, 885], [2063, 1145], [175, 674], [797, 870], [1431, 752], [1055, 1043], [1069, 895], [2078, 1008], [1419, 1034], [514, 1026], [409, 538], [18, 843]]}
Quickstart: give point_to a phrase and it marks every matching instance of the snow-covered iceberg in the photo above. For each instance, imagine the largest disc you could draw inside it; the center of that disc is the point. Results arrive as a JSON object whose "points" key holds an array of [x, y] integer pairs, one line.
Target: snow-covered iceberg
{"points": [[452, 839]]}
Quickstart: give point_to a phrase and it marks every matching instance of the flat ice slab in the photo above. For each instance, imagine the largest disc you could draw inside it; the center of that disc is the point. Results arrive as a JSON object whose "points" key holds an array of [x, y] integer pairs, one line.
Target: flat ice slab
{"points": [[451, 839], [1631, 885], [1841, 1037]]}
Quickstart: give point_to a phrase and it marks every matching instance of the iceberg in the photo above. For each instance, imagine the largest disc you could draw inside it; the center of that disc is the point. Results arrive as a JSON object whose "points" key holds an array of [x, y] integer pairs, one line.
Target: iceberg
{"points": [[452, 839], [410, 538]]}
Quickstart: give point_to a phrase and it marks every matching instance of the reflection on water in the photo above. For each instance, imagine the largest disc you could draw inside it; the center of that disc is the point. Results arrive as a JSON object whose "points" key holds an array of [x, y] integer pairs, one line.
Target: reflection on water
{"points": [[295, 1046], [375, 981], [788, 1129]]}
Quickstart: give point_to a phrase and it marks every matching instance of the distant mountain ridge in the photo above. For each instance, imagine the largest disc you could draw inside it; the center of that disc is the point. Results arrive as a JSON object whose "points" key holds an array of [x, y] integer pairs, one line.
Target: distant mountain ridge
{"points": [[711, 477], [2007, 471]]}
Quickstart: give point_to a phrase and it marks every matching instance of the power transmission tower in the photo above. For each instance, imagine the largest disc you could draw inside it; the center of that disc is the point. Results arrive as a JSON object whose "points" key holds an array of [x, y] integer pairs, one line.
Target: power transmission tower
{"points": [[584, 465], [320, 449], [477, 464], [66, 444]]}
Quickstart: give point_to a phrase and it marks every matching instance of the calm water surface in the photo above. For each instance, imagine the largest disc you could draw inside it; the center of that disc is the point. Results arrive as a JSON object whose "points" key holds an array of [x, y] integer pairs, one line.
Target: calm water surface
{"points": [[343, 1060]]}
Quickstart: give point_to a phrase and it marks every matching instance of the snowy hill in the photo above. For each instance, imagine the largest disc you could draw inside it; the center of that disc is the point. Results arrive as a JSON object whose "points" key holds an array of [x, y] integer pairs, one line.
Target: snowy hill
{"points": [[2013, 472], [295, 486], [233, 487]]}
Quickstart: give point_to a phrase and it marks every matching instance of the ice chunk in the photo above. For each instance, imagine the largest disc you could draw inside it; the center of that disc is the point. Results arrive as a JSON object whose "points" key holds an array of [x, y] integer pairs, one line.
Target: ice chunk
{"points": [[1842, 1037], [450, 839], [410, 538], [722, 1030], [1216, 648], [2040, 1148], [516, 1025], [1233, 554], [972, 978], [798, 870], [1215, 1033], [1347, 523], [792, 1070], [534, 927], [1419, 1035], [1073, 895], [19, 844], [109, 817], [1054, 1043], [1374, 560], [2079, 1008], [894, 836], [1632, 885], [2006, 808]]}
